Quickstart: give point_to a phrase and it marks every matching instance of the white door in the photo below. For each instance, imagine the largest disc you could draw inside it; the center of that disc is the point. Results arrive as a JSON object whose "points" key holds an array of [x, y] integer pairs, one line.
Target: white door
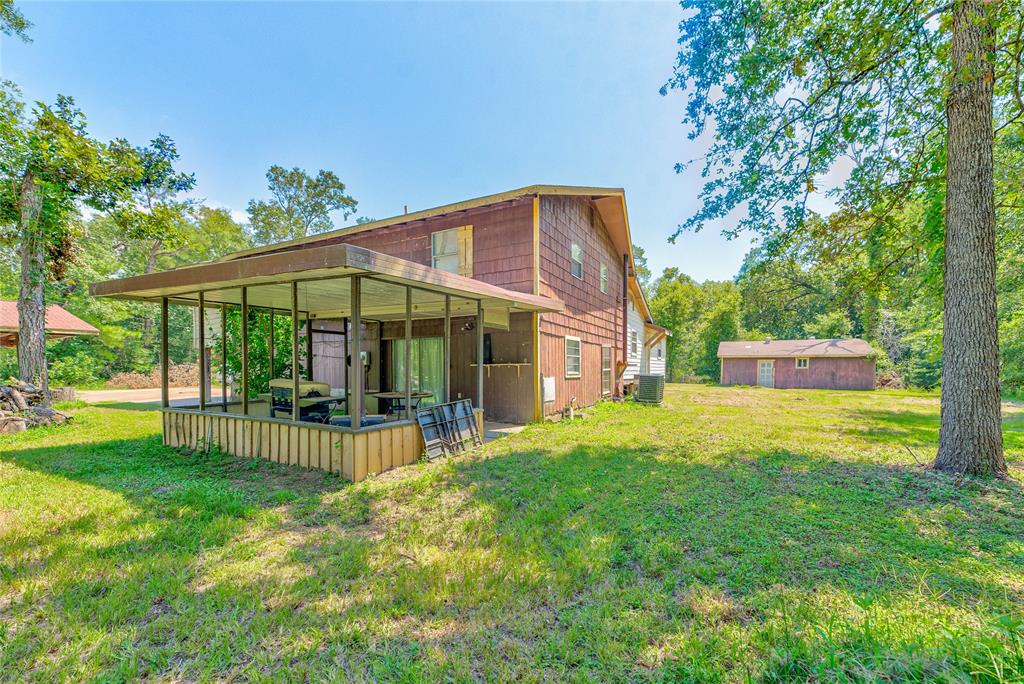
{"points": [[766, 373]]}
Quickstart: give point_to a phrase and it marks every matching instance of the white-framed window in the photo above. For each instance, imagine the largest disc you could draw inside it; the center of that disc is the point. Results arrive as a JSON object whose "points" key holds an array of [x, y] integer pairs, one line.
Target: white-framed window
{"points": [[634, 344], [452, 250], [572, 357], [576, 261], [803, 362], [657, 352], [604, 279], [606, 370]]}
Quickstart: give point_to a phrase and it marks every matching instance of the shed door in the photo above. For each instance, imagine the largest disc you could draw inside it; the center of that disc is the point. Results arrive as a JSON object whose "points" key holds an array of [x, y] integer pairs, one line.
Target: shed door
{"points": [[766, 373]]}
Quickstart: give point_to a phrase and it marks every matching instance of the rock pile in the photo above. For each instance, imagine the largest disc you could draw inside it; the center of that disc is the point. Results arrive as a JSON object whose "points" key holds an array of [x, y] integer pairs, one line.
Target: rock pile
{"points": [[21, 408]]}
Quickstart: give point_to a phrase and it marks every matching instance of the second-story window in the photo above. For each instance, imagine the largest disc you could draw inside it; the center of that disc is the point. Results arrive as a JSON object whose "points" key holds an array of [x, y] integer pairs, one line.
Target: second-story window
{"points": [[604, 279], [576, 261], [452, 250]]}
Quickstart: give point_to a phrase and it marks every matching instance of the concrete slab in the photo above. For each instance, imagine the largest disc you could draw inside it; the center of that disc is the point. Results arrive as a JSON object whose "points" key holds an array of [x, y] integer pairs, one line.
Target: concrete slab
{"points": [[495, 430]]}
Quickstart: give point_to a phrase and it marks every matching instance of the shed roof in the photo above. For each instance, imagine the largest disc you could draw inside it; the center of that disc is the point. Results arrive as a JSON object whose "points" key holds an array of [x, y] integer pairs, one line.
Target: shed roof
{"points": [[852, 347], [324, 292], [59, 323]]}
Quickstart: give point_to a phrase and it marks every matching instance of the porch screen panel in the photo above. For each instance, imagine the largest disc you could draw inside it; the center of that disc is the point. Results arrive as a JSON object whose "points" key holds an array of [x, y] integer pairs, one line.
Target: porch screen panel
{"points": [[427, 367]]}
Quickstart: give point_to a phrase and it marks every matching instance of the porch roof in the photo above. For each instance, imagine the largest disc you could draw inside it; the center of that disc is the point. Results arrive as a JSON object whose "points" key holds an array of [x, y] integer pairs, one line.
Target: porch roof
{"points": [[324, 286]]}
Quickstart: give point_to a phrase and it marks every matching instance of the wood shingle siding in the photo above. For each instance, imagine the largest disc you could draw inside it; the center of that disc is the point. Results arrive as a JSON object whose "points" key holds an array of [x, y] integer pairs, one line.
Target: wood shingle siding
{"points": [[591, 315], [502, 241]]}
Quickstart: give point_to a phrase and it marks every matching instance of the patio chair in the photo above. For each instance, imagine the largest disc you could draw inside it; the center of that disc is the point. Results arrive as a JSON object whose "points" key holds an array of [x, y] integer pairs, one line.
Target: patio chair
{"points": [[315, 401]]}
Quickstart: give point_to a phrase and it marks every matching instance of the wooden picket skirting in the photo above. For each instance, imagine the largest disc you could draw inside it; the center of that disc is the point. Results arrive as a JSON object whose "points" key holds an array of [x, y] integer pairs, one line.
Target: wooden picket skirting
{"points": [[353, 454]]}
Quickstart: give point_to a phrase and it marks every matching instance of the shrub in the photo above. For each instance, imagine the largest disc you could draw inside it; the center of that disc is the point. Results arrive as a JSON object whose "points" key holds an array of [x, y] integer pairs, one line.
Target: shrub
{"points": [[80, 368], [8, 362]]}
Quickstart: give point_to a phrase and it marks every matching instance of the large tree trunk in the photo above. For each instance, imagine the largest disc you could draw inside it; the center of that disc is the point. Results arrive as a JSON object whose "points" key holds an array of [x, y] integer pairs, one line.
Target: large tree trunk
{"points": [[970, 437], [31, 305]]}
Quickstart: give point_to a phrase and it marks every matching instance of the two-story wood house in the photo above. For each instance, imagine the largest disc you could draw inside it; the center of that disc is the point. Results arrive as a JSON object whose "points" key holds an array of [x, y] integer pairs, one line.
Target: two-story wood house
{"points": [[570, 244], [525, 302]]}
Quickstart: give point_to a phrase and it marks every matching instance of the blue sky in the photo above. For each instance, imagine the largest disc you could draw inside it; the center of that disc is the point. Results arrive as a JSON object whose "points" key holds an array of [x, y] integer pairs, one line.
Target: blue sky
{"points": [[410, 104]]}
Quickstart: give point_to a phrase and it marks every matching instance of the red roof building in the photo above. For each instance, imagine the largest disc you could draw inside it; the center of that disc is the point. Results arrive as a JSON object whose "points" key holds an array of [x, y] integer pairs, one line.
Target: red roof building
{"points": [[799, 364], [59, 324]]}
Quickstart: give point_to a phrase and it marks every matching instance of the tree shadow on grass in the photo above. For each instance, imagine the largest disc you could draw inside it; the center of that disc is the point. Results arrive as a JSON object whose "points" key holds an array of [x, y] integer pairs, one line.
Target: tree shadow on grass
{"points": [[590, 561], [913, 428], [128, 405], [119, 534]]}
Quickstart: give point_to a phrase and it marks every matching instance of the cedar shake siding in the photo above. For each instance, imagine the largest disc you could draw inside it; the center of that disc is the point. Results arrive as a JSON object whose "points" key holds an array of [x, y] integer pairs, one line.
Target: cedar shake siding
{"points": [[503, 256], [502, 241], [842, 373], [591, 315]]}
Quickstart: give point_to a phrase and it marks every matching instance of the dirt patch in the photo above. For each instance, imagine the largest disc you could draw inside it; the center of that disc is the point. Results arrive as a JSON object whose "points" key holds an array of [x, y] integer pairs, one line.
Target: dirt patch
{"points": [[713, 606], [736, 398]]}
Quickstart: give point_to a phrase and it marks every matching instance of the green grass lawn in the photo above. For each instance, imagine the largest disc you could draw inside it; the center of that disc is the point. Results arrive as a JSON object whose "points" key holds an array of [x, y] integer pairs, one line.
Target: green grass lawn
{"points": [[731, 535]]}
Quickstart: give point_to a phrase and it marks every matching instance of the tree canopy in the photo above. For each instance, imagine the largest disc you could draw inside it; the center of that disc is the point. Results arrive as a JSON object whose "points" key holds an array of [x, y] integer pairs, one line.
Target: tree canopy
{"points": [[911, 98], [301, 205]]}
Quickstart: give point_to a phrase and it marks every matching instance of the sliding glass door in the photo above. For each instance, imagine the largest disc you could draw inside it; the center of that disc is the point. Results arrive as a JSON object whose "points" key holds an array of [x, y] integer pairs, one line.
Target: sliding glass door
{"points": [[427, 367]]}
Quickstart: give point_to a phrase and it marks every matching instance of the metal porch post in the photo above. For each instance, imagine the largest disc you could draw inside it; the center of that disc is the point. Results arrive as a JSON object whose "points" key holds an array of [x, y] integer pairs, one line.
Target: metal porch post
{"points": [[202, 351], [447, 348], [165, 398], [356, 402], [245, 351], [408, 352], [480, 354], [295, 351], [224, 357]]}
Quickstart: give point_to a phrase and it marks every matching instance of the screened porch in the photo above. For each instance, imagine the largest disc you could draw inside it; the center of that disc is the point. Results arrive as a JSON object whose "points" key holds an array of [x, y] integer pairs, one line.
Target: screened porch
{"points": [[325, 353]]}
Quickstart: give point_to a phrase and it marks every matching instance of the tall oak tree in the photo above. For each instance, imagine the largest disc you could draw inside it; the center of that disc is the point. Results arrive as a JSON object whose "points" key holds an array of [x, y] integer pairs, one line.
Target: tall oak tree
{"points": [[906, 94]]}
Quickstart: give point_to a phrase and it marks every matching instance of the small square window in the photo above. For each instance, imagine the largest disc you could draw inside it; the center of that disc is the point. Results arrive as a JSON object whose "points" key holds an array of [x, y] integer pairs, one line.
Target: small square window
{"points": [[576, 261], [572, 357], [803, 362], [452, 250], [604, 279]]}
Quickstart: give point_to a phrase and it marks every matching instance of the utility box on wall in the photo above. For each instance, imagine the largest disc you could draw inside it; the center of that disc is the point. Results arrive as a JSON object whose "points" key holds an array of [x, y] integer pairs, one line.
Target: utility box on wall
{"points": [[549, 389]]}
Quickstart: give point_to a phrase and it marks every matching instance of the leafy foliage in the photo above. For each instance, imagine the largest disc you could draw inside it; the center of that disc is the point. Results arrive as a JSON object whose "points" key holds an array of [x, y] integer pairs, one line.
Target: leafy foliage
{"points": [[301, 205], [53, 151], [13, 22], [699, 317], [791, 88], [643, 272], [260, 372]]}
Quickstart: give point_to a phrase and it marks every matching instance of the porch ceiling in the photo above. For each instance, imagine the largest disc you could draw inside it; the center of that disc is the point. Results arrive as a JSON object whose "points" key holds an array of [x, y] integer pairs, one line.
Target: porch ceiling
{"points": [[324, 286]]}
